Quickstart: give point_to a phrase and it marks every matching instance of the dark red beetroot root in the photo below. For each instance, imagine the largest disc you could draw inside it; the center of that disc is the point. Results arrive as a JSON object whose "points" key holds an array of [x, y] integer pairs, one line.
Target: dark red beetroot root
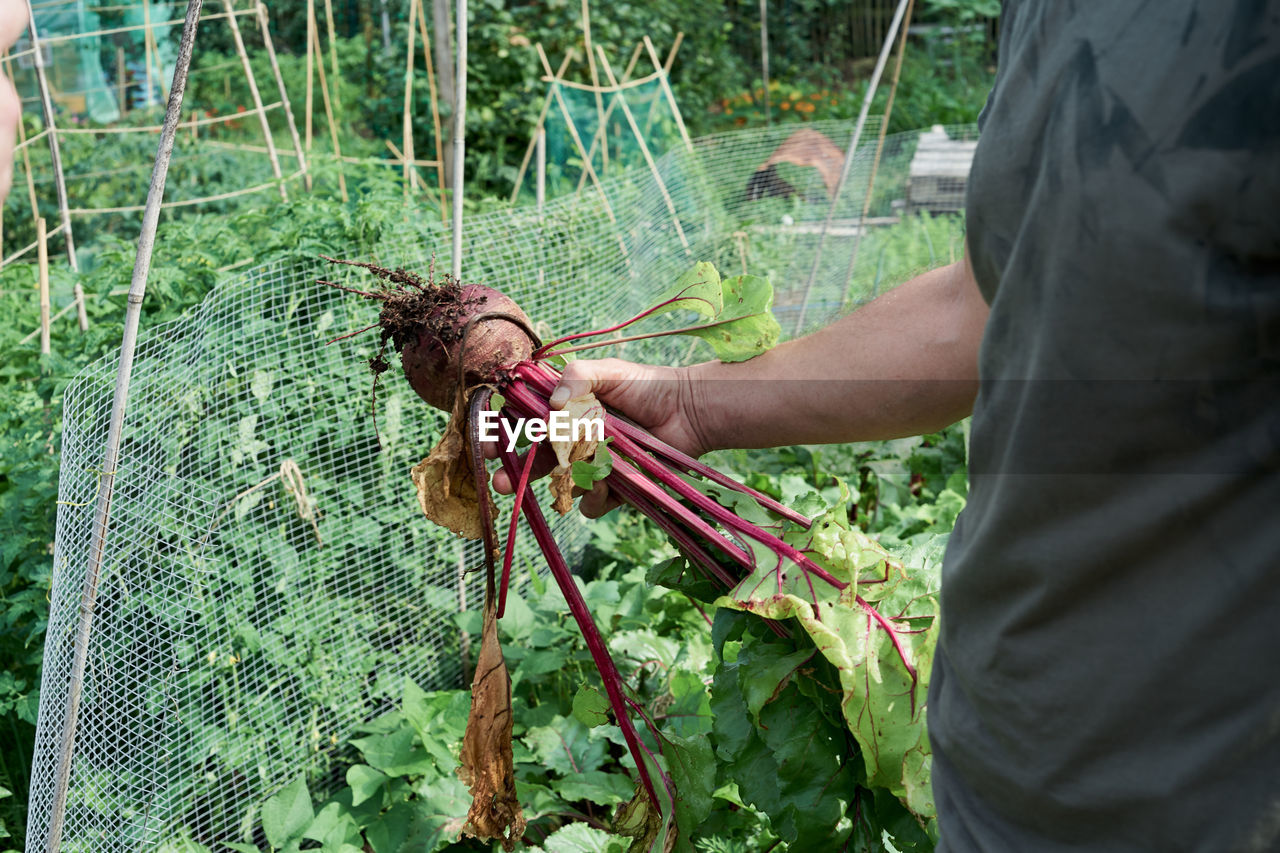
{"points": [[430, 356], [429, 323]]}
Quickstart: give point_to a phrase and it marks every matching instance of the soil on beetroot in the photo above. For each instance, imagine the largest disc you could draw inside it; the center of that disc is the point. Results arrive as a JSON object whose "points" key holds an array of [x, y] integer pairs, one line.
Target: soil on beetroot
{"points": [[412, 305]]}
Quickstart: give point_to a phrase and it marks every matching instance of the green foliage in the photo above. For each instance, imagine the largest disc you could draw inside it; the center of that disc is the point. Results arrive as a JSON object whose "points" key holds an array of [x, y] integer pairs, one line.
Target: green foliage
{"points": [[401, 791]]}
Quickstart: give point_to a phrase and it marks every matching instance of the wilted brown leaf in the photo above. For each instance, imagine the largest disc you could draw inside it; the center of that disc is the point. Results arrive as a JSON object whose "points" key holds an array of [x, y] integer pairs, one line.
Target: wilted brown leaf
{"points": [[567, 452], [487, 765], [638, 820], [446, 486]]}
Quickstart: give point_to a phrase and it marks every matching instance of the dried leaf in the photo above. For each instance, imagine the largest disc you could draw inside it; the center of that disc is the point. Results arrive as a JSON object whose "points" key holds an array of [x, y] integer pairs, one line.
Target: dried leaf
{"points": [[640, 821], [446, 486], [579, 410], [487, 765]]}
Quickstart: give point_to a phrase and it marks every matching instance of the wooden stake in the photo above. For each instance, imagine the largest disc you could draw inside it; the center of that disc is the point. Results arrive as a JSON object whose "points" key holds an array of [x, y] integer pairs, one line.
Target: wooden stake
{"points": [[666, 89], [764, 58], [595, 81], [265, 29], [310, 62], [55, 155], [328, 111], [435, 107], [257, 98], [407, 121], [875, 162], [644, 150], [42, 260], [122, 81], [542, 115], [608, 112], [107, 472]]}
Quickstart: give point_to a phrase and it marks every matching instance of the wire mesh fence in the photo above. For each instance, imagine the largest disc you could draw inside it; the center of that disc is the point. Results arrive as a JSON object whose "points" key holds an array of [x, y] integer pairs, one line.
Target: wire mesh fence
{"points": [[269, 582]]}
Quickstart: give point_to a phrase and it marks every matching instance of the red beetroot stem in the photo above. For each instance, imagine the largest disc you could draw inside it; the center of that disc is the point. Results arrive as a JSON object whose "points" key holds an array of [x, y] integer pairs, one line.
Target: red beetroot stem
{"points": [[522, 399], [510, 551], [590, 633], [525, 397], [689, 546], [722, 515], [543, 380], [540, 351]]}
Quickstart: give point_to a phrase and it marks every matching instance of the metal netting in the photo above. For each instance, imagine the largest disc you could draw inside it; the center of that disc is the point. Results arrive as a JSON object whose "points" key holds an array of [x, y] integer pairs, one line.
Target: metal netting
{"points": [[269, 582]]}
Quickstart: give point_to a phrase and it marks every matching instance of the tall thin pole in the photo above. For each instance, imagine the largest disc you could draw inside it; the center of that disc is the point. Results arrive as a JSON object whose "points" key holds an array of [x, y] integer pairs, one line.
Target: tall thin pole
{"points": [[55, 155], [407, 119], [540, 192], [595, 83], [875, 162], [256, 96], [435, 106], [42, 272], [764, 58], [459, 134], [111, 456], [311, 57], [849, 153], [264, 26]]}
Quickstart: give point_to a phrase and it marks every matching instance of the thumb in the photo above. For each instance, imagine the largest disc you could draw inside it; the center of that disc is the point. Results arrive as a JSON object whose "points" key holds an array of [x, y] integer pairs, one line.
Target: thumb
{"points": [[596, 376]]}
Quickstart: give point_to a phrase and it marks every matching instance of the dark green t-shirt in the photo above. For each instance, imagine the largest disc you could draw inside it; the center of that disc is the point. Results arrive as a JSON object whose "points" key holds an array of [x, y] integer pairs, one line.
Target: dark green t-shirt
{"points": [[1108, 676]]}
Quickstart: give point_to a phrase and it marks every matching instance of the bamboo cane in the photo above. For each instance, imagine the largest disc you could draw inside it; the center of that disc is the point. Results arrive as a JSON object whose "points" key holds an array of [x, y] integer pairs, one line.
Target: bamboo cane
{"points": [[644, 151], [540, 194], [407, 121], [542, 116], [55, 155], [106, 481], [310, 63], [122, 90], [595, 81], [595, 179], [435, 107], [881, 61], [333, 58], [257, 98], [265, 29], [459, 132], [608, 112], [328, 112], [42, 262], [875, 162], [22, 146], [666, 90], [764, 58]]}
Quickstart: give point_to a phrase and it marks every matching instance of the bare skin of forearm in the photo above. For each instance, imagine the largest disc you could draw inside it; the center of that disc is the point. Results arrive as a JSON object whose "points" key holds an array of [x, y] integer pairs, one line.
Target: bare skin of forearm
{"points": [[904, 364]]}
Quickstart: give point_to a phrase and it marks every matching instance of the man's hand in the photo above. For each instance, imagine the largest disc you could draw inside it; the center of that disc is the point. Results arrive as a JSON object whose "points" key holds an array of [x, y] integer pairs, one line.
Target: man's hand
{"points": [[905, 364], [660, 399], [13, 20]]}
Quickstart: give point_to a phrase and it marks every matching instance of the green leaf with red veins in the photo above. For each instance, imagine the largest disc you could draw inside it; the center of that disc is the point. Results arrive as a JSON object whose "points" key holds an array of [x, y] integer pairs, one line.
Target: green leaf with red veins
{"points": [[745, 326], [879, 634]]}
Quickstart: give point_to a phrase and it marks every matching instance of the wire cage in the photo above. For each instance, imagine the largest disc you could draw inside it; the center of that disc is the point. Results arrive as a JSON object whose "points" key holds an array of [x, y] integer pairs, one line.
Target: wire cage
{"points": [[269, 583]]}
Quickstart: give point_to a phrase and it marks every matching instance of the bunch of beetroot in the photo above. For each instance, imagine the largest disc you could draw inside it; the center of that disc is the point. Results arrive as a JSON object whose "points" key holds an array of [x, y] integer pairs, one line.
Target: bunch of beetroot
{"points": [[466, 348]]}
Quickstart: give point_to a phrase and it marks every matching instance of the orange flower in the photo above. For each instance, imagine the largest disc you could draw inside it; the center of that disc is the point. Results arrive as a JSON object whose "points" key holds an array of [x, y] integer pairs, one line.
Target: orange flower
{"points": [[785, 105]]}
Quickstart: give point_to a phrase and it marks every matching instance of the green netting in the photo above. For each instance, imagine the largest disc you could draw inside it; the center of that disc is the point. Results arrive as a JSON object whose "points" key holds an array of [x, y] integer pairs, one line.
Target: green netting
{"points": [[243, 630]]}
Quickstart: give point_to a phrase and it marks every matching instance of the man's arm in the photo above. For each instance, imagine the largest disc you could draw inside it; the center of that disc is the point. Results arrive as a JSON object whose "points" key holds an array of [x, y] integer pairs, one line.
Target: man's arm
{"points": [[903, 364]]}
